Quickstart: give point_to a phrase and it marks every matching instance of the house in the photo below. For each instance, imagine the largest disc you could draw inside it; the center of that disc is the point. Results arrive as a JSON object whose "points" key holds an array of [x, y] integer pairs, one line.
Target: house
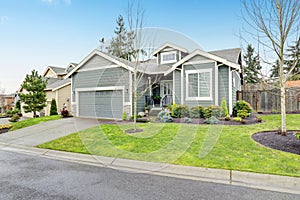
{"points": [[57, 88], [6, 102], [102, 84]]}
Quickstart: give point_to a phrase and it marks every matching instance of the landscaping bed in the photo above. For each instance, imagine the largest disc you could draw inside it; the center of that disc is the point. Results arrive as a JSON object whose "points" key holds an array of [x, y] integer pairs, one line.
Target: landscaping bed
{"points": [[272, 139]]}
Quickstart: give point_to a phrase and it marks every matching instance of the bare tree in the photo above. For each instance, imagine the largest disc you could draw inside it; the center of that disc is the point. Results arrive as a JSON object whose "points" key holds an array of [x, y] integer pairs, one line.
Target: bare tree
{"points": [[276, 22]]}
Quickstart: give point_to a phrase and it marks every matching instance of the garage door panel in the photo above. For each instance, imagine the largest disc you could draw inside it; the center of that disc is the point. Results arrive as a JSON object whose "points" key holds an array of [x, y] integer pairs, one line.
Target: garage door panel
{"points": [[102, 104]]}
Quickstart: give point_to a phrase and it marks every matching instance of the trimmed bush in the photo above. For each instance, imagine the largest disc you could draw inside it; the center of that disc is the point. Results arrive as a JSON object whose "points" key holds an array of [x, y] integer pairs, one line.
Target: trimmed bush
{"points": [[197, 112], [211, 120], [242, 114], [210, 111], [237, 119], [53, 108], [124, 116], [164, 117], [224, 107], [9, 113], [242, 105], [180, 111], [187, 120], [137, 117], [14, 118], [18, 105]]}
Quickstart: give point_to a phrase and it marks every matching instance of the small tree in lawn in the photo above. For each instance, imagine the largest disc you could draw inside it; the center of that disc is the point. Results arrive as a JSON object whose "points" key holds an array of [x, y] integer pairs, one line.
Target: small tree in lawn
{"points": [[53, 108], [35, 98]]}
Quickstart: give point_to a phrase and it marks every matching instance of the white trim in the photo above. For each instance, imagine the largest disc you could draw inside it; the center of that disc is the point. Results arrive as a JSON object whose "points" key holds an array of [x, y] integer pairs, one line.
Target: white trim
{"points": [[99, 88], [130, 92], [182, 85], [56, 98], [205, 54], [99, 53], [173, 92], [168, 61], [162, 84], [230, 90], [98, 68], [198, 62], [198, 71], [216, 84], [169, 45], [59, 87]]}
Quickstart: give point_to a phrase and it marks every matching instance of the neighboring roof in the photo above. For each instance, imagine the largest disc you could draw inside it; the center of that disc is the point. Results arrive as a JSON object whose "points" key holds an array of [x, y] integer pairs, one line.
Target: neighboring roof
{"points": [[231, 55], [114, 59], [205, 54], [59, 83], [290, 84], [57, 70], [169, 45]]}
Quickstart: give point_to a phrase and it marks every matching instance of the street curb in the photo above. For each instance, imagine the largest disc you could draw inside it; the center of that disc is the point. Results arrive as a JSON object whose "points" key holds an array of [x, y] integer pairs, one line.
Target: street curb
{"points": [[237, 178]]}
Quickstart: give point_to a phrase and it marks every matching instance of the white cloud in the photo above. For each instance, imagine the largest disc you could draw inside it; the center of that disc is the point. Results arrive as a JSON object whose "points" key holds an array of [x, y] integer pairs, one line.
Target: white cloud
{"points": [[3, 19], [55, 2]]}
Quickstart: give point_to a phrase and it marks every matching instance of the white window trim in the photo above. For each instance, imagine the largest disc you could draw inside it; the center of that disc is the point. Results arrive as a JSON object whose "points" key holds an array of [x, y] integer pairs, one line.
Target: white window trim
{"points": [[168, 61], [188, 98]]}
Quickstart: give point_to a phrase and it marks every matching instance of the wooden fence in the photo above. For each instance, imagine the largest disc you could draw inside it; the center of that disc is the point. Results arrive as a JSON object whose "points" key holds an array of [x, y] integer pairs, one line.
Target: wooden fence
{"points": [[267, 101]]}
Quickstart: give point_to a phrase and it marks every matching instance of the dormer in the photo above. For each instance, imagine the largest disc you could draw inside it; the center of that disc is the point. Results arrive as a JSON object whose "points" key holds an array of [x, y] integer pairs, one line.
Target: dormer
{"points": [[169, 53]]}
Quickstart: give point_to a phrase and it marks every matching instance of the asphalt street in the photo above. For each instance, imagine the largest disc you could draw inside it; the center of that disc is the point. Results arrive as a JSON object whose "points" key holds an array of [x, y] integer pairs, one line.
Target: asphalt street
{"points": [[33, 177]]}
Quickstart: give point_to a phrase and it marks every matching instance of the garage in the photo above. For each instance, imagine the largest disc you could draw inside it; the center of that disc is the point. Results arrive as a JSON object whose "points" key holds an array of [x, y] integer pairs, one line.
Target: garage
{"points": [[101, 104]]}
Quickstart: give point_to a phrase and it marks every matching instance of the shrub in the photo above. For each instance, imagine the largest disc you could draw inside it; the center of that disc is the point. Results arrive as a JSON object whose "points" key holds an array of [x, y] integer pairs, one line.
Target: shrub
{"points": [[197, 112], [224, 107], [4, 126], [187, 120], [258, 119], [9, 113], [242, 114], [64, 113], [227, 118], [53, 108], [243, 121], [18, 105], [14, 118], [211, 120], [210, 111], [180, 111], [241, 105], [297, 135], [237, 119], [124, 116], [164, 116]]}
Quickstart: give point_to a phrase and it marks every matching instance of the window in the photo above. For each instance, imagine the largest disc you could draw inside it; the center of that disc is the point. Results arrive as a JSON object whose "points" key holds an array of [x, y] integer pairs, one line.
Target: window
{"points": [[199, 84], [168, 57]]}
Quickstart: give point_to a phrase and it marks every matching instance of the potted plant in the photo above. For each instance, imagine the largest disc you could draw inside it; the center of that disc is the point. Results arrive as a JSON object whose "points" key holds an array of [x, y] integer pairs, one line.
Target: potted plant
{"points": [[157, 99], [297, 135]]}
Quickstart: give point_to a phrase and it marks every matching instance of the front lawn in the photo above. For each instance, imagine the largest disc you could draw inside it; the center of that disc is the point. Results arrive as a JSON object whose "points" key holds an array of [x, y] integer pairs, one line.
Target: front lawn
{"points": [[32, 121], [212, 146]]}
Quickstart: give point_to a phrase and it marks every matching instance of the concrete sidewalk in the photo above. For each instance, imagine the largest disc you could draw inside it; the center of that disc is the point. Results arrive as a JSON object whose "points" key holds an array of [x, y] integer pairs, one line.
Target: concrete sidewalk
{"points": [[47, 131], [246, 179]]}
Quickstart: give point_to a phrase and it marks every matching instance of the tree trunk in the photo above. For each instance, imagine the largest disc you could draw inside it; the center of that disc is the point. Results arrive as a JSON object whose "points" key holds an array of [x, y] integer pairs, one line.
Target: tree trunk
{"points": [[134, 100], [283, 111], [34, 114]]}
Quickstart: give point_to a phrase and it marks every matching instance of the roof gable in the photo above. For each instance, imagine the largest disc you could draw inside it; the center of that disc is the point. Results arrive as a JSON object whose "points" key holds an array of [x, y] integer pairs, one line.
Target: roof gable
{"points": [[169, 45]]}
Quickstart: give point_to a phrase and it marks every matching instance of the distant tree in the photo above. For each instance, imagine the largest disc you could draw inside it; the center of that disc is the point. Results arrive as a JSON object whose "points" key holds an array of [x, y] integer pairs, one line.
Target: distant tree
{"points": [[275, 70], [53, 108], [35, 98], [292, 55], [18, 105], [252, 67], [120, 44]]}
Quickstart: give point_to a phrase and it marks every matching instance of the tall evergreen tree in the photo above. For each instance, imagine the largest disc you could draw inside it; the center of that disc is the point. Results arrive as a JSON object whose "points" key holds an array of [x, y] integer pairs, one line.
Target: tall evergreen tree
{"points": [[35, 96], [252, 67], [275, 69], [53, 108], [121, 45], [294, 56]]}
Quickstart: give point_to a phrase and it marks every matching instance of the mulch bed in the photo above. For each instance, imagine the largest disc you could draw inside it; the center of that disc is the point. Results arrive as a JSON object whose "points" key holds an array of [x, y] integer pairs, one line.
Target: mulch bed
{"points": [[274, 140], [249, 121], [4, 130]]}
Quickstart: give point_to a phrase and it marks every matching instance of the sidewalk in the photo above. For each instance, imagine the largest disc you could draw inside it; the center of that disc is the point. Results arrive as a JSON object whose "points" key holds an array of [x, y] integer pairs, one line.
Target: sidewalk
{"points": [[237, 178]]}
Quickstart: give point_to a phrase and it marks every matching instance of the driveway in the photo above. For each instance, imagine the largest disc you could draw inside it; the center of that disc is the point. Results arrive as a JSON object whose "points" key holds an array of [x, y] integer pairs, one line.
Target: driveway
{"points": [[4, 121], [47, 131]]}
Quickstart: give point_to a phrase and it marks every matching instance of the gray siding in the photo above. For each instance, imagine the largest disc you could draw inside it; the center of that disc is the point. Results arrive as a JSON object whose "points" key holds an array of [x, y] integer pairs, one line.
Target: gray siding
{"points": [[223, 83], [97, 61], [235, 88], [177, 86], [194, 67], [141, 95], [102, 78]]}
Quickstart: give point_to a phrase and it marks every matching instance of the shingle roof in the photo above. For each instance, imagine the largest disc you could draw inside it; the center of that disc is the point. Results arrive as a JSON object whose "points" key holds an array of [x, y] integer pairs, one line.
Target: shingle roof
{"points": [[151, 66], [56, 83], [58, 70], [290, 84], [231, 55]]}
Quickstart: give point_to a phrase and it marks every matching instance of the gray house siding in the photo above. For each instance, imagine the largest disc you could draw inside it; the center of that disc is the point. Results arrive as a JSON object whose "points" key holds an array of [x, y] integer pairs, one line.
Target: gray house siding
{"points": [[223, 83], [96, 61], [177, 86], [235, 87], [195, 67]]}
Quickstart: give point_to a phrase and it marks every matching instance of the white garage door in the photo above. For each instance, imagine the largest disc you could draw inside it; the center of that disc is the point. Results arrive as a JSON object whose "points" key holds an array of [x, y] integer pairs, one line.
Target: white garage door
{"points": [[101, 104]]}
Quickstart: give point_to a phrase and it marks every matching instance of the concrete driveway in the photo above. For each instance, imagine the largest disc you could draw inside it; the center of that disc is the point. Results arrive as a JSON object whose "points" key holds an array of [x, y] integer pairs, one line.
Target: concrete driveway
{"points": [[47, 131], [4, 121]]}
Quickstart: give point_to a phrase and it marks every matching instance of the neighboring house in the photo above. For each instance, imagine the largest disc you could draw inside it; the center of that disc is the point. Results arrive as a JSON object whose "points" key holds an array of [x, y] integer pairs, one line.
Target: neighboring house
{"points": [[57, 88], [6, 102], [102, 83]]}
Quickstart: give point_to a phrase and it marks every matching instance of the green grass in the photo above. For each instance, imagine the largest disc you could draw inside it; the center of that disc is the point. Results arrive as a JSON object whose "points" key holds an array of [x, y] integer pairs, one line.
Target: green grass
{"points": [[212, 146], [32, 121]]}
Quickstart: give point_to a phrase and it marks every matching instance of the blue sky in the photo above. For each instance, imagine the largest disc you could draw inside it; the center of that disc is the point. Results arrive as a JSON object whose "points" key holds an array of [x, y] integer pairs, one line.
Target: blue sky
{"points": [[37, 33]]}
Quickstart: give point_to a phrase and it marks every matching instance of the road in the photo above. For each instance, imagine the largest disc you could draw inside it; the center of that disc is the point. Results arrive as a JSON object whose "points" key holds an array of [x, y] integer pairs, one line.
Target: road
{"points": [[32, 177]]}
